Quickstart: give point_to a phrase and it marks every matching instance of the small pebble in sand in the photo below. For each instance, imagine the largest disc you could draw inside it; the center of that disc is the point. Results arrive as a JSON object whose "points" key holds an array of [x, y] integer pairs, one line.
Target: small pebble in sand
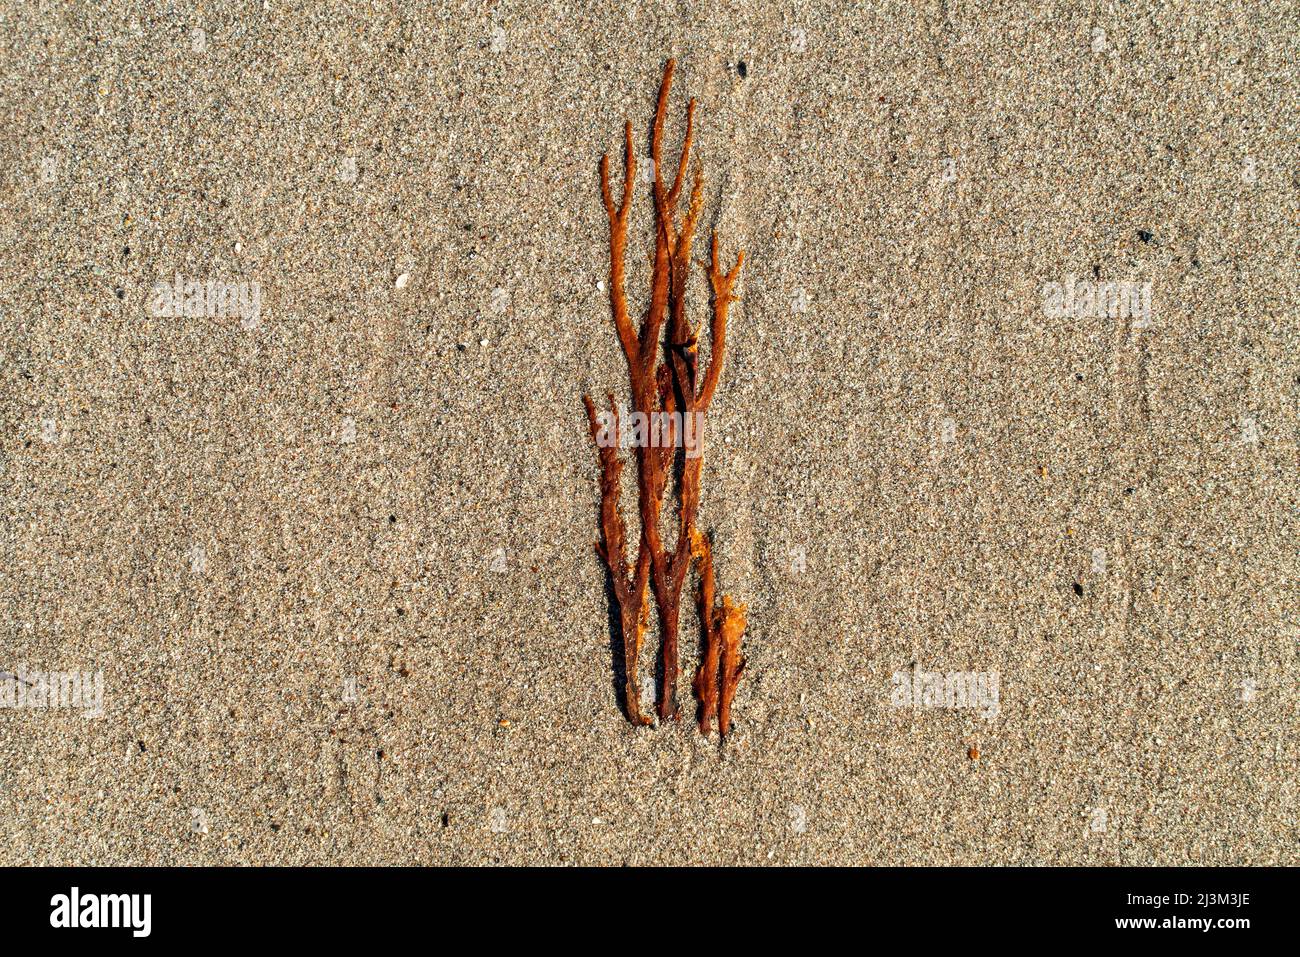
{"points": [[403, 279], [973, 754]]}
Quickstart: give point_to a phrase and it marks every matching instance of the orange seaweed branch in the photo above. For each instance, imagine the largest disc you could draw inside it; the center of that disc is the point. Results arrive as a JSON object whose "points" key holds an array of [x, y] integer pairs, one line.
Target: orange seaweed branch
{"points": [[630, 591], [672, 401]]}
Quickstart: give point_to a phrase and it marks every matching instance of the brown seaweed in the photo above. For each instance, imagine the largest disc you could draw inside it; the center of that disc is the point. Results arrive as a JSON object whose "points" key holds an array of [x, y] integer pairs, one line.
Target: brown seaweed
{"points": [[667, 390]]}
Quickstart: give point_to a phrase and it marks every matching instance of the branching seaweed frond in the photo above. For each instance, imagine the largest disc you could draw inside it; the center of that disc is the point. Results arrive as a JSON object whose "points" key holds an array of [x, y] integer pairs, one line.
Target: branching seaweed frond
{"points": [[668, 391]]}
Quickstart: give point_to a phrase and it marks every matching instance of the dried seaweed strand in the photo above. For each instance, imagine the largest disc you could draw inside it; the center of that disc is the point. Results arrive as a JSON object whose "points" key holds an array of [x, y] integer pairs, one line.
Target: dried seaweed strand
{"points": [[630, 591], [670, 570], [706, 676], [630, 587], [657, 387]]}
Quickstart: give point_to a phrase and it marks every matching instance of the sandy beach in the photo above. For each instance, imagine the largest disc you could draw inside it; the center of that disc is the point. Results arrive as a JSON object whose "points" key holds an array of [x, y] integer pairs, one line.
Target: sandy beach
{"points": [[1010, 394]]}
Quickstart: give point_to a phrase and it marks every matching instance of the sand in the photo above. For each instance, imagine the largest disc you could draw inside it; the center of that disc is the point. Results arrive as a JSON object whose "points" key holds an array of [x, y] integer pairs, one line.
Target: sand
{"points": [[333, 561]]}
